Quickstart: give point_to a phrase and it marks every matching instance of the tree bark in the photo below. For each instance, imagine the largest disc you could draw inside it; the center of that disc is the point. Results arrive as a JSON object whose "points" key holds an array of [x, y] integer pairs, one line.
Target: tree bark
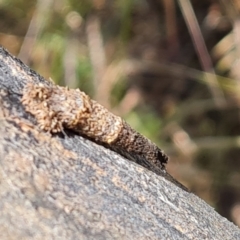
{"points": [[64, 186]]}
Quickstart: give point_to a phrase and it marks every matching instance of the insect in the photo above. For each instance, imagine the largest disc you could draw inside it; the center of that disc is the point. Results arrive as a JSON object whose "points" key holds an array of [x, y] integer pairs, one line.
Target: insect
{"points": [[56, 108]]}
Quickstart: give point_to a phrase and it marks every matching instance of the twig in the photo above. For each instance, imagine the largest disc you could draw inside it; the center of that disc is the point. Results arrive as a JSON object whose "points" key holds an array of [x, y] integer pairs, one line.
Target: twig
{"points": [[98, 58], [201, 50], [35, 28]]}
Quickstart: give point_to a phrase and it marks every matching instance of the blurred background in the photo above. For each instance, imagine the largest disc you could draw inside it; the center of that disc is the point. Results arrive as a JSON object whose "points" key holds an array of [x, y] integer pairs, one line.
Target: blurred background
{"points": [[171, 68]]}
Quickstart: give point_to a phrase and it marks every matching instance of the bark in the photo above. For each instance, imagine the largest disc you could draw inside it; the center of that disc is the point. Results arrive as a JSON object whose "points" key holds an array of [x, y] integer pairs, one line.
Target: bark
{"points": [[64, 186]]}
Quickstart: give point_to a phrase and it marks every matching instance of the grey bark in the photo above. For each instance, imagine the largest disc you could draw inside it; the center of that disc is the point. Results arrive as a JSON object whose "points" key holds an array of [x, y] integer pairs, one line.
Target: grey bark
{"points": [[68, 187]]}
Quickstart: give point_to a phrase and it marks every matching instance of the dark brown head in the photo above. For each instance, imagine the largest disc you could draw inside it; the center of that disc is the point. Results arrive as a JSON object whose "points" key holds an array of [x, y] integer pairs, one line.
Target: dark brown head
{"points": [[162, 157]]}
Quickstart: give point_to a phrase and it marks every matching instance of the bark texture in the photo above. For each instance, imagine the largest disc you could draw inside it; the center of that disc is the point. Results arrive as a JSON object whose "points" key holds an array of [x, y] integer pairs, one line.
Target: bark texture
{"points": [[68, 187]]}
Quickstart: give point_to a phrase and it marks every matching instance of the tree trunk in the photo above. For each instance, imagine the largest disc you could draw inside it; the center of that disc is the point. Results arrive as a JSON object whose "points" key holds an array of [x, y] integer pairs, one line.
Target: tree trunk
{"points": [[64, 186]]}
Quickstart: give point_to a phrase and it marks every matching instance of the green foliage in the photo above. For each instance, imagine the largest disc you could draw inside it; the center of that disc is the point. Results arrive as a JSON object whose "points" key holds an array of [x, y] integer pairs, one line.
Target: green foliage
{"points": [[146, 122], [84, 74], [118, 91], [125, 9], [83, 7]]}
